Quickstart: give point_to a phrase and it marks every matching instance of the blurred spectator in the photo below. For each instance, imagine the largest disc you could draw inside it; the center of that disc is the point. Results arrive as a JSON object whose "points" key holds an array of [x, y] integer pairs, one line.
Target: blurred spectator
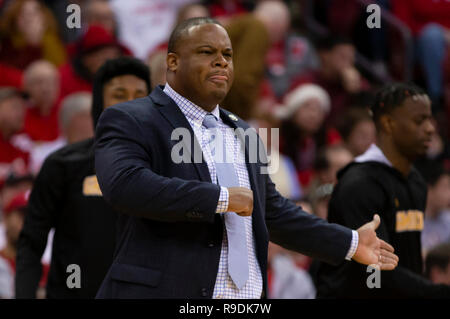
{"points": [[12, 115], [76, 125], [336, 74], [150, 25], [251, 36], [286, 280], [29, 32], [223, 10], [13, 185], [75, 120], [66, 196], [41, 82], [303, 115], [87, 55], [99, 12], [329, 161], [437, 213], [289, 56], [281, 168], [357, 130], [437, 264], [429, 22], [13, 214], [10, 76], [157, 58]]}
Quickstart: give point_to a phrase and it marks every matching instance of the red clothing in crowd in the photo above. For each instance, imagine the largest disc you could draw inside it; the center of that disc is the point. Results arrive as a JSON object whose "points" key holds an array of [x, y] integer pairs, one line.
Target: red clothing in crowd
{"points": [[42, 128], [418, 13], [10, 76], [72, 82], [11, 159], [12, 264], [339, 97]]}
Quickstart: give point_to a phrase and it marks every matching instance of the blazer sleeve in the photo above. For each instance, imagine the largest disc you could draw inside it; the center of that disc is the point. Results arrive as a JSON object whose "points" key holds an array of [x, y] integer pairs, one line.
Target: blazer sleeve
{"points": [[124, 171], [295, 229]]}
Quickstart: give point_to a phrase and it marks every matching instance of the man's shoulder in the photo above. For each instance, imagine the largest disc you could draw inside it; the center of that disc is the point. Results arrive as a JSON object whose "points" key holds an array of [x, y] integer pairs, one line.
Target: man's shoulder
{"points": [[73, 152], [357, 175]]}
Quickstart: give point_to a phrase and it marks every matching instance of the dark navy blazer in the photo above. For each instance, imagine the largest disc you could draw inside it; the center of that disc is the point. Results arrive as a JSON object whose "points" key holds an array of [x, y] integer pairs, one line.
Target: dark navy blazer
{"points": [[169, 236]]}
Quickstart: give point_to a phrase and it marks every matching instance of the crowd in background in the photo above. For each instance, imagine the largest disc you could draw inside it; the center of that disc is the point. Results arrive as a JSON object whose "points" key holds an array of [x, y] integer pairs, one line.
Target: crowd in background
{"points": [[309, 68]]}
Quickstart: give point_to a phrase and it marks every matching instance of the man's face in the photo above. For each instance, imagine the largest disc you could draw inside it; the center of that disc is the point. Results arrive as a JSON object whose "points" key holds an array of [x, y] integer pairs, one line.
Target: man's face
{"points": [[123, 88], [439, 193], [13, 225], [12, 113], [411, 126], [202, 67], [43, 86], [310, 116], [341, 57], [94, 60]]}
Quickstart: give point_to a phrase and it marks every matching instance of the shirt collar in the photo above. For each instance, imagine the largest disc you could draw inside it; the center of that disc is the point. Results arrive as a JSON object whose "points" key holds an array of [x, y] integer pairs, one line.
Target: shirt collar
{"points": [[192, 111], [373, 153]]}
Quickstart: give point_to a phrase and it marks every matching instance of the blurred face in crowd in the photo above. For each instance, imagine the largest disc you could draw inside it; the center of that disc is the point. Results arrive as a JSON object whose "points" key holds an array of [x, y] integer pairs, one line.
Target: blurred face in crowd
{"points": [[12, 115], [42, 84], [8, 192], [276, 18], [30, 22], [410, 126], [337, 159], [361, 137], [439, 195], [202, 67], [122, 89], [80, 127], [310, 116], [440, 276], [100, 12], [94, 60], [340, 58], [13, 225], [192, 11]]}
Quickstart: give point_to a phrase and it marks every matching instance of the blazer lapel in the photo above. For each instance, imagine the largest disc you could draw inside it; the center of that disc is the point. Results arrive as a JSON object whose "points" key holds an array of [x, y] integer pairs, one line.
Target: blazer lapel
{"points": [[172, 113]]}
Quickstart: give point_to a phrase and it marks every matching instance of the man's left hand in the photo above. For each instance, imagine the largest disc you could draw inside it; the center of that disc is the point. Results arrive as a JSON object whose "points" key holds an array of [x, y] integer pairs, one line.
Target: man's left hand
{"points": [[373, 250]]}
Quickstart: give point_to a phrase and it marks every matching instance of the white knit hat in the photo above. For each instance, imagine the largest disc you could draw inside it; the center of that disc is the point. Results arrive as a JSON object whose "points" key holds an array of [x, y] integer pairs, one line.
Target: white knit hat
{"points": [[299, 96]]}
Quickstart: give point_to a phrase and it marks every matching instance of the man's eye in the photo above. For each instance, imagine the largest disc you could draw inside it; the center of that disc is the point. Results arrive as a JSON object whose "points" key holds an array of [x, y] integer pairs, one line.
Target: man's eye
{"points": [[205, 52]]}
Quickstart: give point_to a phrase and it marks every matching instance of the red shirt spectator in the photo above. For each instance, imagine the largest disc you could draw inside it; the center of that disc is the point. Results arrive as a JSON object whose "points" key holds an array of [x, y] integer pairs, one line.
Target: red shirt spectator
{"points": [[418, 13]]}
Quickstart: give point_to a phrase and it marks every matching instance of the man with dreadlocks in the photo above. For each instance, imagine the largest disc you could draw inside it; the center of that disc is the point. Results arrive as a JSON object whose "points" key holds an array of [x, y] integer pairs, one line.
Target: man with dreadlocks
{"points": [[66, 197], [384, 181]]}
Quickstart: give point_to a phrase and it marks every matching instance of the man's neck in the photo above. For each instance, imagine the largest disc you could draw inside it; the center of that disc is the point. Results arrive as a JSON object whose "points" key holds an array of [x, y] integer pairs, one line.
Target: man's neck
{"points": [[208, 107], [398, 161]]}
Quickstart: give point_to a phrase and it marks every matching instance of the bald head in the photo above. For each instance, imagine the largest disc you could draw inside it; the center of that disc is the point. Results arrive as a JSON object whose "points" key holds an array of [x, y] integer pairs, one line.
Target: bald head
{"points": [[41, 80], [275, 16], [182, 30]]}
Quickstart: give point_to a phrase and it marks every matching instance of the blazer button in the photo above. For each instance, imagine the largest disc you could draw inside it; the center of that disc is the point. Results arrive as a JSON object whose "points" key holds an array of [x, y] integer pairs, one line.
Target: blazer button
{"points": [[204, 292], [210, 245]]}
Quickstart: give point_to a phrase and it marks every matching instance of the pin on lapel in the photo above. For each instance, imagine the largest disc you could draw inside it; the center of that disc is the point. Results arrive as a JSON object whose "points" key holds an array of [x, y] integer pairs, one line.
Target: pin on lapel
{"points": [[233, 117]]}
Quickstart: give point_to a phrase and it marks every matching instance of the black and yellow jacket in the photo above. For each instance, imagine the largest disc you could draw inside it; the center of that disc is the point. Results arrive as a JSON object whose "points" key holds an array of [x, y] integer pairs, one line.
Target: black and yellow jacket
{"points": [[372, 186]]}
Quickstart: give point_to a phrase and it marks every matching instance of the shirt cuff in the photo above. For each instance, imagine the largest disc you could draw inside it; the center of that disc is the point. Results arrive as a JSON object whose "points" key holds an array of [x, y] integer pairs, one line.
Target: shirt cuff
{"points": [[353, 245], [222, 205]]}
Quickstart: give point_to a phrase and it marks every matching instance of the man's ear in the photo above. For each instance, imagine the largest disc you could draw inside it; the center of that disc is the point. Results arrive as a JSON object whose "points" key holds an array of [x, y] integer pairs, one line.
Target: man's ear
{"points": [[386, 123], [172, 61]]}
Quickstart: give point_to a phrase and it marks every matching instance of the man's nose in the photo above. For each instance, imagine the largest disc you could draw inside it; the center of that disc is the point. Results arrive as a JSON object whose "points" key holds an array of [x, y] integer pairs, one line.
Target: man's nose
{"points": [[220, 61], [429, 128]]}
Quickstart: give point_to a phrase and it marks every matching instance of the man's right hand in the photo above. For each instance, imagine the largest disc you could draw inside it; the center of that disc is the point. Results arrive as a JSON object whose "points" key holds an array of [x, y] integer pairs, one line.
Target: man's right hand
{"points": [[240, 201]]}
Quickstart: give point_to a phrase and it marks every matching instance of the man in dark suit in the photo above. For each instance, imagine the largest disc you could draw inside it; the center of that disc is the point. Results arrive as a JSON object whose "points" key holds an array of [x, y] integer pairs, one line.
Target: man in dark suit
{"points": [[200, 229]]}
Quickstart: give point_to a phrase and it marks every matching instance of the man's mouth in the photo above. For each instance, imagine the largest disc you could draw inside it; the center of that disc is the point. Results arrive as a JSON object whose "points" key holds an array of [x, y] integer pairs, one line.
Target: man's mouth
{"points": [[218, 78]]}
